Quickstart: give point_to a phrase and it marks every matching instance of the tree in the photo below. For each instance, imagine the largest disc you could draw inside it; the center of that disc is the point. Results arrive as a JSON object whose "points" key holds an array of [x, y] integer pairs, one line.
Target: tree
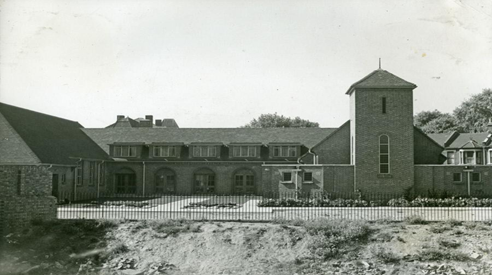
{"points": [[431, 122], [279, 121], [474, 114]]}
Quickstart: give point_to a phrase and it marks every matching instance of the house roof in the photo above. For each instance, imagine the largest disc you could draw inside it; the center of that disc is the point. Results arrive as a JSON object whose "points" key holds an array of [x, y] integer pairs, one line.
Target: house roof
{"points": [[306, 136], [53, 140], [462, 140], [381, 79]]}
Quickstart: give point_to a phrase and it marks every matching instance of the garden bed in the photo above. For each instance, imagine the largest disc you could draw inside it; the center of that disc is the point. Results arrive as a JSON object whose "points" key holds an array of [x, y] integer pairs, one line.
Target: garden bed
{"points": [[399, 202]]}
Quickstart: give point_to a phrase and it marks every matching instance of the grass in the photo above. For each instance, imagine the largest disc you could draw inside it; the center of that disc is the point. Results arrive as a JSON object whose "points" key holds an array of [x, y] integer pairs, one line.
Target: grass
{"points": [[438, 255], [331, 238], [447, 243]]}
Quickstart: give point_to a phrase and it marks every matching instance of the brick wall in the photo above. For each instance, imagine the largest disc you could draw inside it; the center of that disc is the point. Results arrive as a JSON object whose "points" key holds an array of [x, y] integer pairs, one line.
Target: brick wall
{"points": [[184, 175], [439, 179], [370, 123], [426, 151], [335, 149], [26, 194]]}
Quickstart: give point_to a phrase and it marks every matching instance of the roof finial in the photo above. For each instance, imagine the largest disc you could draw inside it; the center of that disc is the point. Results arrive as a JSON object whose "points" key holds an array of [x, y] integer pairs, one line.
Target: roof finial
{"points": [[380, 63]]}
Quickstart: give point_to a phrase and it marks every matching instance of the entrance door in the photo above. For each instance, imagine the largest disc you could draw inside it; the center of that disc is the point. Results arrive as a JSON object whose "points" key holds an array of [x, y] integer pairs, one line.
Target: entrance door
{"points": [[54, 185], [244, 182], [126, 184]]}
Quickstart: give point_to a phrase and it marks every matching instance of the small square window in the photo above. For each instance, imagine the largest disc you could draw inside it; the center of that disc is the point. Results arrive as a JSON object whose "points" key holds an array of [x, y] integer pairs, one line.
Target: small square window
{"points": [[287, 176], [308, 176], [457, 177], [476, 177]]}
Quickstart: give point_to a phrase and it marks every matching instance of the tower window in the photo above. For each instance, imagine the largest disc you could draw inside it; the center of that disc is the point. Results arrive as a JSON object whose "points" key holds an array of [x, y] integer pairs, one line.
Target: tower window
{"points": [[384, 156], [383, 101]]}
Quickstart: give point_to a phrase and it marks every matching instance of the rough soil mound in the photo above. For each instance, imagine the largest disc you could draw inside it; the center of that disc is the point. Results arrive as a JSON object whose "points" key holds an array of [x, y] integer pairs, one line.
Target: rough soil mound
{"points": [[184, 247]]}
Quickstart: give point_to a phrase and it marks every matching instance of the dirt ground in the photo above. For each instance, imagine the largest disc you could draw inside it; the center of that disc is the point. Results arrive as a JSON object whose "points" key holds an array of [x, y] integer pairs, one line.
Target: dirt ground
{"points": [[284, 247]]}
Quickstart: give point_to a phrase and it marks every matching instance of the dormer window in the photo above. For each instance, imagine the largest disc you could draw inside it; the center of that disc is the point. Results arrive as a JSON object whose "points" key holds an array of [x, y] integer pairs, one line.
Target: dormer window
{"points": [[205, 151], [285, 151], [165, 151], [244, 151], [124, 151]]}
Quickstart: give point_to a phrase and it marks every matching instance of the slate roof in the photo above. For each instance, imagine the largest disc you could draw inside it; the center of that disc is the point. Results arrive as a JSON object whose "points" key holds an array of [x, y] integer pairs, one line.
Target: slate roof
{"points": [[381, 79], [306, 136], [53, 140], [462, 140]]}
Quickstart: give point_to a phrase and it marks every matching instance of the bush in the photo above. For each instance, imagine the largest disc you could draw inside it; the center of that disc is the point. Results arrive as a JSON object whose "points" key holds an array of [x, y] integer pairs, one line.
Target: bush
{"points": [[385, 254], [331, 237], [415, 220]]}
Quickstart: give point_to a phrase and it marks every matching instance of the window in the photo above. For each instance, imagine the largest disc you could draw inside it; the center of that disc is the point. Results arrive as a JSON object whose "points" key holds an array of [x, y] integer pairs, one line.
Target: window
{"points": [[384, 155], [287, 176], [165, 151], [244, 151], [476, 177], [490, 156], [78, 173], [244, 182], [63, 179], [19, 182], [102, 178], [205, 151], [308, 176], [285, 151], [383, 104], [450, 157], [457, 177], [125, 151], [471, 157], [92, 173]]}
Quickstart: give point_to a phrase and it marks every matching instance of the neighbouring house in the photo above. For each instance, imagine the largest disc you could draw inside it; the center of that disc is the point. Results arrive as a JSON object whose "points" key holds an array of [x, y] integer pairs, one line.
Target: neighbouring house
{"points": [[42, 156], [377, 151]]}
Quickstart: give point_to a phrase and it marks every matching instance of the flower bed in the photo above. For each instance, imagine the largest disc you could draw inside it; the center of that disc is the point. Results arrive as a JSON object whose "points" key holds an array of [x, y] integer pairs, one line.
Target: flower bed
{"points": [[137, 204], [199, 205], [399, 202]]}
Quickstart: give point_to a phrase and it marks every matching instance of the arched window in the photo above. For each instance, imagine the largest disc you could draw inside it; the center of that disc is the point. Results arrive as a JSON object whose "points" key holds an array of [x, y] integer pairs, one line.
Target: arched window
{"points": [[384, 155], [204, 181], [165, 181], [125, 180], [244, 182]]}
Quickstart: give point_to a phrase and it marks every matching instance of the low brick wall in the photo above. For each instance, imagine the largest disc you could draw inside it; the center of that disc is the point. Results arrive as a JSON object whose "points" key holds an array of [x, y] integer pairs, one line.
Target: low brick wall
{"points": [[18, 212]]}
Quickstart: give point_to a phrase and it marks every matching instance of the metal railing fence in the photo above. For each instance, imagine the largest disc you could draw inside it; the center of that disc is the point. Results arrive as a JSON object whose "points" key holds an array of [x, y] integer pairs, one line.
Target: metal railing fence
{"points": [[270, 206]]}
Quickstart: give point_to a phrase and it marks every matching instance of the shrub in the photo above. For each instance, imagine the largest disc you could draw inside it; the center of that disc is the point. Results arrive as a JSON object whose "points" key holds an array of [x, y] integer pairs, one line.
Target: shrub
{"points": [[439, 255], [385, 254], [448, 243], [415, 220]]}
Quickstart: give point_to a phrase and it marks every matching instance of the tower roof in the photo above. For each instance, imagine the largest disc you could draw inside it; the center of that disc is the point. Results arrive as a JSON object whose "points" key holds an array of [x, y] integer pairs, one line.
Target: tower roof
{"points": [[381, 79]]}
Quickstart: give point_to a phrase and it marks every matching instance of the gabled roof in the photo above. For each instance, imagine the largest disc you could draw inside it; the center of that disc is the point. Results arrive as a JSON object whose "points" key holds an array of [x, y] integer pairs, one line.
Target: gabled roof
{"points": [[306, 136], [381, 79], [462, 140], [53, 140]]}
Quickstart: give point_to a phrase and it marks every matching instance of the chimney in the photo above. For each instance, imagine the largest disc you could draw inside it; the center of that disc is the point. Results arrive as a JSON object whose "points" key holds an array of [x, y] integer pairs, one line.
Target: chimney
{"points": [[149, 117], [158, 122], [489, 126], [119, 117]]}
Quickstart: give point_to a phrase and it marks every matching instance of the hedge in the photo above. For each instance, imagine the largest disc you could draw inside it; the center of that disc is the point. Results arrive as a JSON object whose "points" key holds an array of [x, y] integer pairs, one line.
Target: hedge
{"points": [[399, 202]]}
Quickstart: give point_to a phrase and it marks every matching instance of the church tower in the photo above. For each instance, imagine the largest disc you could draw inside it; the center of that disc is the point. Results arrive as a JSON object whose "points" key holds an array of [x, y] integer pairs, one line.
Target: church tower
{"points": [[381, 133]]}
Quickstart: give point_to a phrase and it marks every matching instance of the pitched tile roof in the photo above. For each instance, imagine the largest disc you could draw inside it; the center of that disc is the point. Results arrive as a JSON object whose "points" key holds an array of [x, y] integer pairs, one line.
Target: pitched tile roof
{"points": [[381, 79], [53, 140], [306, 136], [462, 140]]}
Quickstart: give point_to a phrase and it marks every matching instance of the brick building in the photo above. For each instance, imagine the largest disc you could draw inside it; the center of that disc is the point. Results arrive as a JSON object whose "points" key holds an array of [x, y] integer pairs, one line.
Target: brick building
{"points": [[377, 150]]}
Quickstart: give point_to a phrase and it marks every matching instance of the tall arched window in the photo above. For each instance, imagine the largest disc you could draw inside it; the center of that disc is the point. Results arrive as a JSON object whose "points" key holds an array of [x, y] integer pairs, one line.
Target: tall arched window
{"points": [[384, 155]]}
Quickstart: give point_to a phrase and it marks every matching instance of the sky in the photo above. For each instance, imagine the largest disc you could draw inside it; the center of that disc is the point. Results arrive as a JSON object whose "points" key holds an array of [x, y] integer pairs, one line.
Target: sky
{"points": [[222, 63]]}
